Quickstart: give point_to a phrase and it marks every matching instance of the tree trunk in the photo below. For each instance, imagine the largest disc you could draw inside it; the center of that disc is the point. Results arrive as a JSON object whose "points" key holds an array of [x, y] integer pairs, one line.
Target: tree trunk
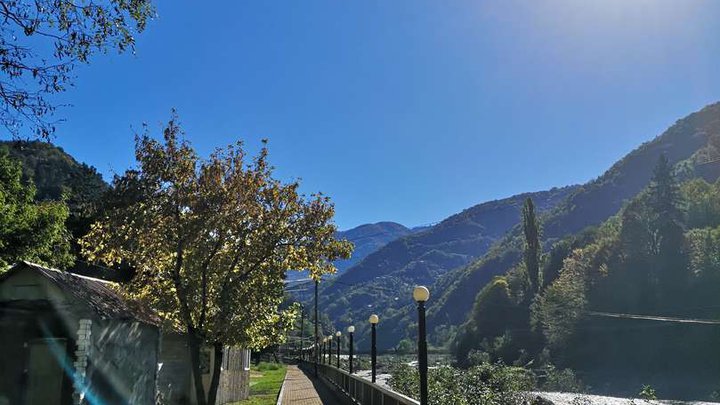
{"points": [[195, 344], [215, 381]]}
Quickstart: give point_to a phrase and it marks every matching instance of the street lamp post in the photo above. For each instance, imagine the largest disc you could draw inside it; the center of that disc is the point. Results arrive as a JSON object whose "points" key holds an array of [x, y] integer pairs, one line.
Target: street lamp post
{"points": [[329, 350], [351, 330], [338, 334], [421, 295], [317, 338], [373, 348]]}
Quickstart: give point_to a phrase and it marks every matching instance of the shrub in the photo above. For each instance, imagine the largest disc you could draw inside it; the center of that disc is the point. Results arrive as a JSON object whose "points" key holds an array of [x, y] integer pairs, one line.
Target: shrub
{"points": [[486, 384], [562, 380], [648, 393], [265, 366]]}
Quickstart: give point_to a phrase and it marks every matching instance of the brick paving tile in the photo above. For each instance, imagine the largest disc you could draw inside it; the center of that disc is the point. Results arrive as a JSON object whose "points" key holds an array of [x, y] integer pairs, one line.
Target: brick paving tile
{"points": [[300, 390]]}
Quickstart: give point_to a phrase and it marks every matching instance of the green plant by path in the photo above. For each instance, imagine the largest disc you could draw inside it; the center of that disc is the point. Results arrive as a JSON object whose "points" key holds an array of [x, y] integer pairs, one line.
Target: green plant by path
{"points": [[485, 384], [265, 382], [648, 393]]}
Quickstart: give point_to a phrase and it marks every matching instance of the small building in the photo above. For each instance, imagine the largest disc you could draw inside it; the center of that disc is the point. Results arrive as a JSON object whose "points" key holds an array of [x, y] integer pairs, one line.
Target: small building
{"points": [[70, 339]]}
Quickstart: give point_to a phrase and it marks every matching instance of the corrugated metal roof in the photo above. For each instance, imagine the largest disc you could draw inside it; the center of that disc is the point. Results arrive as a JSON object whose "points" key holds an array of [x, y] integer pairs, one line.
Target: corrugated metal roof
{"points": [[100, 295]]}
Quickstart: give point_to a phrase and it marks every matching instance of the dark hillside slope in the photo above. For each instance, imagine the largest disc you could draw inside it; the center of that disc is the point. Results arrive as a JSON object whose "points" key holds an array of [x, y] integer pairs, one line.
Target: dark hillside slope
{"points": [[56, 174], [458, 238], [367, 239], [590, 204], [385, 278]]}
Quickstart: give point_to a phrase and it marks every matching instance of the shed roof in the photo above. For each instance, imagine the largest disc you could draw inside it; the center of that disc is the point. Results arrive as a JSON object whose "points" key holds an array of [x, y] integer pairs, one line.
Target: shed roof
{"points": [[99, 295]]}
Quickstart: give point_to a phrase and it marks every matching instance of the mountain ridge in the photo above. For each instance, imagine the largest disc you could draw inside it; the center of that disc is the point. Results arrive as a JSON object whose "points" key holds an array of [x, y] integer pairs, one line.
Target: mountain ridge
{"points": [[367, 286], [621, 181]]}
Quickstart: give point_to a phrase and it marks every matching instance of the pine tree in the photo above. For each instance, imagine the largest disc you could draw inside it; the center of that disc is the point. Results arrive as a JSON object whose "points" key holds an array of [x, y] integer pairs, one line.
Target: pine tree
{"points": [[668, 240], [532, 244]]}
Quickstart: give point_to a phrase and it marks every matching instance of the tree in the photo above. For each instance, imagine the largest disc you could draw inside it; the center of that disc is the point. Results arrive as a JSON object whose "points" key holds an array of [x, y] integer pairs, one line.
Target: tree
{"points": [[211, 241], [492, 315], [531, 255], [667, 231], [29, 230], [74, 30], [562, 305]]}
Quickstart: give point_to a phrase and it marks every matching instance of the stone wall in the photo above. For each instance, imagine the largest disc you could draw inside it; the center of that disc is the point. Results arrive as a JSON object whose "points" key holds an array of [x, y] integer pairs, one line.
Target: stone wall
{"points": [[84, 344]]}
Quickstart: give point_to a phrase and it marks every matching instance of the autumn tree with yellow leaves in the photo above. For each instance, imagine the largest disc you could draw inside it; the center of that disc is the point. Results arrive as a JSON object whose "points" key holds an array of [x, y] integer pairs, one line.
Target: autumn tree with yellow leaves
{"points": [[211, 240]]}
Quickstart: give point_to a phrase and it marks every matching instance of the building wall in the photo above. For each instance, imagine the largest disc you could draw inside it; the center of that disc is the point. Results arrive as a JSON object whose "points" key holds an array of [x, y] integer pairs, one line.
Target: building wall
{"points": [[34, 310], [174, 371], [123, 360], [175, 379], [114, 361]]}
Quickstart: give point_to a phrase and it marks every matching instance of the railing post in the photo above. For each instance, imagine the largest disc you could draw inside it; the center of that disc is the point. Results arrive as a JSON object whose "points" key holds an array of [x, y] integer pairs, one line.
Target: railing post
{"points": [[351, 353], [338, 335]]}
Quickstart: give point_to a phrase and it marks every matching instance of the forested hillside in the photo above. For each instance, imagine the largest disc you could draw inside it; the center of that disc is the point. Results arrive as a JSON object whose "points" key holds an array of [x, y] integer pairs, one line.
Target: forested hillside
{"points": [[590, 204], [625, 304], [461, 255], [57, 175], [367, 239], [630, 302], [423, 257]]}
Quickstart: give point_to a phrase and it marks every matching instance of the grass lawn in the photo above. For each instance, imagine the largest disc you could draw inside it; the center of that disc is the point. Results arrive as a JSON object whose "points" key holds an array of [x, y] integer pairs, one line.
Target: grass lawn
{"points": [[265, 382]]}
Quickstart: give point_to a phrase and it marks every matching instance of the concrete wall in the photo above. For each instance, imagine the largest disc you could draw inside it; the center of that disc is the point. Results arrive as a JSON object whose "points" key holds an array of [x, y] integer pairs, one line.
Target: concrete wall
{"points": [[123, 361], [174, 371]]}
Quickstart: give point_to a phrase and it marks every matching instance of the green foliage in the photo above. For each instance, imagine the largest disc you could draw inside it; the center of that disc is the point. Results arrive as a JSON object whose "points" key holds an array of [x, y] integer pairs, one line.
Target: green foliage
{"points": [[478, 357], [562, 305], [561, 380], [531, 255], [702, 203], [486, 384], [648, 393], [212, 240], [639, 262], [266, 379], [59, 177], [265, 366], [405, 346], [421, 258], [29, 230], [587, 205], [493, 310]]}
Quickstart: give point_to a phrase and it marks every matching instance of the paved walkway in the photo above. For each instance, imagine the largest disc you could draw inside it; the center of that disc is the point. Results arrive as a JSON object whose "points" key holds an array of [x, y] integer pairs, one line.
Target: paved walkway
{"points": [[300, 389]]}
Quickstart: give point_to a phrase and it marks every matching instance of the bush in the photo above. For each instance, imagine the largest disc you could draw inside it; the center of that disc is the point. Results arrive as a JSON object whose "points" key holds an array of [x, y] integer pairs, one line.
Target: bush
{"points": [[648, 393], [478, 357], [562, 380], [486, 384], [265, 366]]}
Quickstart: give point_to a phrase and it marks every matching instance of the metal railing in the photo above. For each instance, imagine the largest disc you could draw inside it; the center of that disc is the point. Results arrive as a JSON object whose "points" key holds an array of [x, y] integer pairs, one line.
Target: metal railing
{"points": [[360, 390]]}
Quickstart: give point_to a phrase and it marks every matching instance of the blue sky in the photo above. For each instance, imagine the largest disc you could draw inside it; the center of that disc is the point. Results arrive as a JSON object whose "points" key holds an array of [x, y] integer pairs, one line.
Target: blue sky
{"points": [[406, 110]]}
